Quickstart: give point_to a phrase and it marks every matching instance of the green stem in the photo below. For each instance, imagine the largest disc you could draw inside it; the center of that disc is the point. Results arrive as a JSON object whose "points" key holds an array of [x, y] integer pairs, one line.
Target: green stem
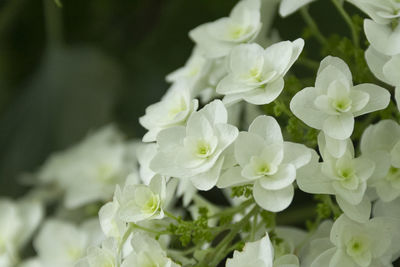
{"points": [[233, 210], [219, 253], [313, 26], [149, 230], [170, 215], [349, 22], [253, 228]]}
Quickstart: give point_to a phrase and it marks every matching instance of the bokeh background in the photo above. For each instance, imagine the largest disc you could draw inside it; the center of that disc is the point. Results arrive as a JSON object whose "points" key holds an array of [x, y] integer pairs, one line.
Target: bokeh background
{"points": [[65, 71]]}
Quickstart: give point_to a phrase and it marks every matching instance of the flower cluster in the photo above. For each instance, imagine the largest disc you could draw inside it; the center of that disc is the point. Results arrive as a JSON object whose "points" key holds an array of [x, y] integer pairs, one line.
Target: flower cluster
{"points": [[236, 125]]}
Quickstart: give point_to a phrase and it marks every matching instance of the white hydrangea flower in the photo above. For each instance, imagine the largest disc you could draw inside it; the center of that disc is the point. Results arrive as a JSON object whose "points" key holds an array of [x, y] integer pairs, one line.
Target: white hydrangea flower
{"points": [[268, 162], [261, 254], [216, 39], [194, 74], [288, 7], [256, 75], [381, 11], [62, 244], [381, 143], [333, 103], [147, 252], [345, 177], [195, 152], [174, 109], [356, 244], [18, 221], [141, 202], [145, 154], [89, 171]]}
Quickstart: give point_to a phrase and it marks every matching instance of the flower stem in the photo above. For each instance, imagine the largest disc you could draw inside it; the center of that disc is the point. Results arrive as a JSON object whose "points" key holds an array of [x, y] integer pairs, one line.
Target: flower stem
{"points": [[349, 22], [313, 26]]}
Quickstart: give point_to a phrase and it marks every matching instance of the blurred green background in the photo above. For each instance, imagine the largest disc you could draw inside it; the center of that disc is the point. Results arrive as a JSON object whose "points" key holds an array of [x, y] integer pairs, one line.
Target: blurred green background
{"points": [[64, 71]]}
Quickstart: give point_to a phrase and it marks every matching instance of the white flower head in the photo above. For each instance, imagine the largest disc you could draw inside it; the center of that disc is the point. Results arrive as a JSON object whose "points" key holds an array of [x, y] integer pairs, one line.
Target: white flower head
{"points": [[381, 143], [256, 75], [147, 252], [357, 244], [196, 151], [268, 162], [216, 39], [345, 177], [89, 171], [333, 103], [173, 109], [141, 202]]}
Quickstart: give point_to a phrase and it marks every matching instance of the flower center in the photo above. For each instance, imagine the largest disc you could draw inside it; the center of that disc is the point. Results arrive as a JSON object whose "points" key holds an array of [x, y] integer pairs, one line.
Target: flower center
{"points": [[357, 246], [151, 205], [342, 105], [203, 149]]}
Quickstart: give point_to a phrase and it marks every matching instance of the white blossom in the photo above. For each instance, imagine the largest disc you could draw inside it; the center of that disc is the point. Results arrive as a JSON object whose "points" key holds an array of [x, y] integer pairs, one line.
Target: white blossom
{"points": [[195, 152], [381, 143], [356, 244], [147, 252], [173, 109], [345, 177], [268, 162], [89, 171], [256, 75], [333, 103], [141, 202], [383, 37], [216, 39]]}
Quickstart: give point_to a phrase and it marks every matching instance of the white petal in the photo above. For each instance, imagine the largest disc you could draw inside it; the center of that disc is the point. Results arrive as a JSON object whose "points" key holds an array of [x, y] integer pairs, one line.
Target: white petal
{"points": [[340, 126], [302, 105], [246, 146], [228, 86], [207, 180], [359, 213], [288, 7], [265, 95], [325, 258], [273, 200], [267, 128], [397, 96], [376, 61], [296, 154], [232, 177], [283, 178], [215, 112], [382, 37], [379, 98], [381, 136], [277, 57], [339, 64], [391, 70]]}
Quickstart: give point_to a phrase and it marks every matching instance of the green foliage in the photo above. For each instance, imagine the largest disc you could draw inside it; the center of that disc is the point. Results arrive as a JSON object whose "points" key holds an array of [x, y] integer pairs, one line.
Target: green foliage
{"points": [[240, 191]]}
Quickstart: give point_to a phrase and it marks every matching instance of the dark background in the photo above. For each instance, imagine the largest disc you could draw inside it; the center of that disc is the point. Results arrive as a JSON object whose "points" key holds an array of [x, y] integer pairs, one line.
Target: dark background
{"points": [[64, 71]]}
